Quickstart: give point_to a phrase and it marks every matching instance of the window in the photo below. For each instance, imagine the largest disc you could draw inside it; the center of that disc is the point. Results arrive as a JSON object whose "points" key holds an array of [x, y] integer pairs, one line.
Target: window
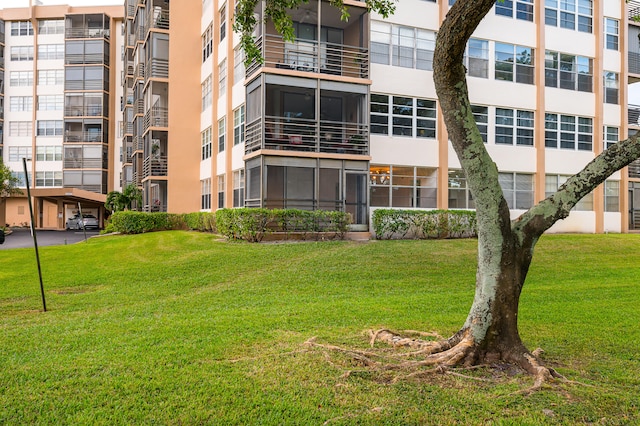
{"points": [[611, 196], [610, 136], [508, 56], [205, 191], [221, 133], [569, 131], [238, 65], [564, 12], [22, 53], [222, 78], [48, 178], [20, 103], [50, 26], [20, 128], [524, 9], [21, 78], [409, 117], [568, 71], [514, 125], [22, 183], [17, 153], [238, 125], [553, 182], [610, 87], [207, 43], [49, 128], [21, 28], [611, 31], [477, 58], [220, 191], [406, 46], [205, 136], [50, 51], [50, 102], [49, 153], [403, 186], [517, 189], [459, 193], [481, 115], [206, 93], [223, 22], [238, 188], [50, 77]]}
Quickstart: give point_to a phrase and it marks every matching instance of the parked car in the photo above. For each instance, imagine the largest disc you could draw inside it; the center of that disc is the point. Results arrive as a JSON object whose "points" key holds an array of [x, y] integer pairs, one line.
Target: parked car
{"points": [[89, 221]]}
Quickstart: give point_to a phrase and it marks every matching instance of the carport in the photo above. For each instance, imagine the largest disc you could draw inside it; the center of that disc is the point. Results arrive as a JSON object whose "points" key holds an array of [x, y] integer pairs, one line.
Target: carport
{"points": [[62, 198]]}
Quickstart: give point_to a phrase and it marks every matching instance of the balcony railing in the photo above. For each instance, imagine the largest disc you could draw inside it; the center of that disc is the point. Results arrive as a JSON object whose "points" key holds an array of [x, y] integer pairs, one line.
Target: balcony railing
{"points": [[156, 117], [87, 33], [154, 166], [634, 10], [139, 103], [306, 135], [139, 71], [83, 137], [87, 111], [311, 56], [86, 163], [158, 18], [634, 63], [156, 68], [633, 115]]}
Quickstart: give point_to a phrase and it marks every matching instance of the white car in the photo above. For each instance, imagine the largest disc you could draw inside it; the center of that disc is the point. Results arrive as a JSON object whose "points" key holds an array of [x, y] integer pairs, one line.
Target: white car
{"points": [[88, 220]]}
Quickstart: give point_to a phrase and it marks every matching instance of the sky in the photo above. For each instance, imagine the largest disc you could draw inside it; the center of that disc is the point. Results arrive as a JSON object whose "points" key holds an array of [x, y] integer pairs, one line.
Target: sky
{"points": [[24, 3]]}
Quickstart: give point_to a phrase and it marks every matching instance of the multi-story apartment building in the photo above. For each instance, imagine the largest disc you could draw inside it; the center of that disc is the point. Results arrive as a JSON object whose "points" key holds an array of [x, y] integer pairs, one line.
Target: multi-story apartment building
{"points": [[346, 116], [61, 82]]}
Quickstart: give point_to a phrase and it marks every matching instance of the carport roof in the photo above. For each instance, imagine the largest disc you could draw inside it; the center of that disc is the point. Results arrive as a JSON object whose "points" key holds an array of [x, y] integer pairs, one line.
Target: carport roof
{"points": [[68, 195]]}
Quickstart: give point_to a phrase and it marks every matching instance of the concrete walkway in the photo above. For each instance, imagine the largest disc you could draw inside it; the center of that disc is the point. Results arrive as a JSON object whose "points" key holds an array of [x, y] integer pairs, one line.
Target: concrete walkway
{"points": [[21, 238]]}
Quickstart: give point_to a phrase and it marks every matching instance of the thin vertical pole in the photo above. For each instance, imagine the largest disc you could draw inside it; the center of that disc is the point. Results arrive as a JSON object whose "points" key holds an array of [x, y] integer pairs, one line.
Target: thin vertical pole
{"points": [[33, 232]]}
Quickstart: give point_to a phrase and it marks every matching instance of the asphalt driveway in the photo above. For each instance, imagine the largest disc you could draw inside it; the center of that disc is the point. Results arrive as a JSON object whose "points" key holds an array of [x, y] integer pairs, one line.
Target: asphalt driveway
{"points": [[22, 238]]}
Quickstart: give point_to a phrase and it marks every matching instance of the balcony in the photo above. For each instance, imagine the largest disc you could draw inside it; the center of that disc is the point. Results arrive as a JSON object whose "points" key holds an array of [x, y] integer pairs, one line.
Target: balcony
{"points": [[86, 163], [633, 115], [139, 71], [73, 136], [87, 33], [154, 166], [633, 7], [157, 68], [87, 111], [157, 18], [156, 117], [306, 135], [312, 56]]}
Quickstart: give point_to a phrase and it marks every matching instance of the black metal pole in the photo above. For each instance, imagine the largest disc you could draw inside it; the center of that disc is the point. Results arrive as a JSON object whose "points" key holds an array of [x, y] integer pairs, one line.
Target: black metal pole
{"points": [[84, 230], [33, 232]]}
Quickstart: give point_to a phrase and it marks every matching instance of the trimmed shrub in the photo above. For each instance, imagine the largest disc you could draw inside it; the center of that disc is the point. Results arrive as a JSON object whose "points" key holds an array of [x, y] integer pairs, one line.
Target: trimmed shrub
{"points": [[423, 224], [200, 221], [130, 222]]}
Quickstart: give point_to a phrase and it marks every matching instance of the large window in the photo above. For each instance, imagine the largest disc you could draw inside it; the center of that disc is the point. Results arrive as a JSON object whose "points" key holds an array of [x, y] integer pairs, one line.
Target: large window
{"points": [[238, 125], [610, 136], [568, 71], [481, 115], [17, 153], [50, 102], [22, 53], [459, 193], [477, 58], [206, 143], [403, 186], [553, 182], [49, 153], [514, 63], [222, 128], [568, 132], [611, 87], [517, 189], [20, 128], [50, 26], [21, 28], [20, 103], [570, 14], [611, 33], [523, 9], [611, 196], [49, 128], [409, 116], [50, 51], [207, 43], [514, 125], [21, 78], [238, 65], [238, 188], [222, 78], [402, 46], [205, 191], [223, 22], [48, 179], [50, 77], [220, 191], [206, 93]]}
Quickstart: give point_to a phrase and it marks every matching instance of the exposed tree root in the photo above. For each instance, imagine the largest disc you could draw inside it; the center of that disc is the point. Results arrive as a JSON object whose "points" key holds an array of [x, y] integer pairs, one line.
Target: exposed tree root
{"points": [[416, 358]]}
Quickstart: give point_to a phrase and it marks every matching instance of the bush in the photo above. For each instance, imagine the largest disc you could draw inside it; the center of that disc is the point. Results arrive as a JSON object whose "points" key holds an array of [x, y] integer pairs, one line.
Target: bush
{"points": [[423, 224], [252, 224], [200, 221], [130, 222]]}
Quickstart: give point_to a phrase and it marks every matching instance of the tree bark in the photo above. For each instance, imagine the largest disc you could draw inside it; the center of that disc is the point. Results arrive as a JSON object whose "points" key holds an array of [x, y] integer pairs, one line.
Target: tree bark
{"points": [[505, 248]]}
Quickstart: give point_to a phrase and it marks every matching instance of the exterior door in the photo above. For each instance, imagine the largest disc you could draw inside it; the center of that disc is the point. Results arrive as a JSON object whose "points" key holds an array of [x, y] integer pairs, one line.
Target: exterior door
{"points": [[356, 199]]}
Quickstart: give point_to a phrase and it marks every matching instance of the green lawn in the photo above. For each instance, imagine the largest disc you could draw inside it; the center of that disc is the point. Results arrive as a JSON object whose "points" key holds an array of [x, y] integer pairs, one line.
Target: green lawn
{"points": [[181, 328]]}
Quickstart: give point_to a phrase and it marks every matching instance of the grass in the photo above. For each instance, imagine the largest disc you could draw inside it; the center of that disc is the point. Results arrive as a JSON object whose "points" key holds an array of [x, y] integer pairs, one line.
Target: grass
{"points": [[180, 328]]}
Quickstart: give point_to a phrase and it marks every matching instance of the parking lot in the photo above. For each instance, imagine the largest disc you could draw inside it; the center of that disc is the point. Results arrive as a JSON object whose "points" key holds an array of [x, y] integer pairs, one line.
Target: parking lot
{"points": [[21, 238]]}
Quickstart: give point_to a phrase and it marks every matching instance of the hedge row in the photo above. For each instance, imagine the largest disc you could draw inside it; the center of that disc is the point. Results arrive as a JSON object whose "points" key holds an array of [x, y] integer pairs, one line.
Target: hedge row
{"points": [[423, 224], [237, 224], [252, 224]]}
